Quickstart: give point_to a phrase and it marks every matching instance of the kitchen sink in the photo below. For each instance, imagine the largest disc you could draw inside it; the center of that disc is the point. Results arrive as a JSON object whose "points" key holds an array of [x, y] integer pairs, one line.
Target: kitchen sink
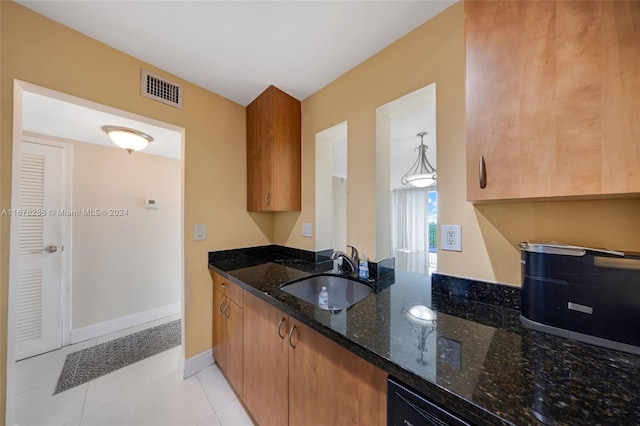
{"points": [[343, 292]]}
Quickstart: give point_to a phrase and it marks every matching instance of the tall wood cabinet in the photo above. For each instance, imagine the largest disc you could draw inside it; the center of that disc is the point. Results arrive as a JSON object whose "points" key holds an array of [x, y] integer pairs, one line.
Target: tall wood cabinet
{"points": [[228, 317], [295, 376], [553, 99], [273, 152]]}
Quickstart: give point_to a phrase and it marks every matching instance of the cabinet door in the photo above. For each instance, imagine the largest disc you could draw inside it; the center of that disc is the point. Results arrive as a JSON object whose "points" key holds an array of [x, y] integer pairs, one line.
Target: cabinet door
{"points": [[274, 152], [304, 372], [330, 385], [219, 339], [363, 383], [552, 91], [260, 153], [265, 359], [234, 314], [287, 183]]}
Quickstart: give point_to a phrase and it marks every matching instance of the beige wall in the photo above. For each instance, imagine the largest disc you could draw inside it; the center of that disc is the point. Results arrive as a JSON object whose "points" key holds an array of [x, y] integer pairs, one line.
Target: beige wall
{"points": [[39, 51], [434, 52], [339, 214], [323, 221], [124, 265]]}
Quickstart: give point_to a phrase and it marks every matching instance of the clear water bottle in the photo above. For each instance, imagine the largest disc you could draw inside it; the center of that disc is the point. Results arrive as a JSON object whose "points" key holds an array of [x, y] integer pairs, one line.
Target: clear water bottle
{"points": [[323, 298]]}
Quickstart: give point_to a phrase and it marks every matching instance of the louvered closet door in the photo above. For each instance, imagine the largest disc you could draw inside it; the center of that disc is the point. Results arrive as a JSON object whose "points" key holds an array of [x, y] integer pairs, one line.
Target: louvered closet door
{"points": [[38, 281]]}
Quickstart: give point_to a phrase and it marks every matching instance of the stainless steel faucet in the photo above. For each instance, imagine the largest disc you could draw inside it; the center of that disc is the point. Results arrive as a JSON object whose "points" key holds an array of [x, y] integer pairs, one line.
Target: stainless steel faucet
{"points": [[354, 255], [351, 266]]}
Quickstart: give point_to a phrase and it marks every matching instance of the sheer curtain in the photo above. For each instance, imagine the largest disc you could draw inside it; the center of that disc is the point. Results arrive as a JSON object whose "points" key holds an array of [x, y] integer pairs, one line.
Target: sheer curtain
{"points": [[410, 229]]}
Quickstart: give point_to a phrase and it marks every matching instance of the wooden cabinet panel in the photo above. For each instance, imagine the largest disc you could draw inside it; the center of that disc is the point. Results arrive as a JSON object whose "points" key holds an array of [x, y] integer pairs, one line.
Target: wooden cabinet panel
{"points": [[219, 340], [265, 387], [234, 370], [227, 288], [227, 331], [304, 373], [295, 376], [365, 384], [324, 374], [274, 152], [260, 152], [552, 98]]}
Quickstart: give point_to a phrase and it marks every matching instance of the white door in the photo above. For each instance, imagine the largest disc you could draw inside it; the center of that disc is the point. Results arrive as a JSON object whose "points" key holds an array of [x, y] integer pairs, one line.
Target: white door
{"points": [[37, 279]]}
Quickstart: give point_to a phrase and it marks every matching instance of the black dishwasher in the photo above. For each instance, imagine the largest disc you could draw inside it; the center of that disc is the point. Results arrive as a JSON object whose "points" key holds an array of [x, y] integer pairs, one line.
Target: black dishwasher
{"points": [[405, 407]]}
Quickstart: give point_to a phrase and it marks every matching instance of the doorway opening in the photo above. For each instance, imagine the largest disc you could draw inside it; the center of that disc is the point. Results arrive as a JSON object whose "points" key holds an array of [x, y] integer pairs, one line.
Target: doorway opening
{"points": [[331, 188], [406, 214], [107, 275]]}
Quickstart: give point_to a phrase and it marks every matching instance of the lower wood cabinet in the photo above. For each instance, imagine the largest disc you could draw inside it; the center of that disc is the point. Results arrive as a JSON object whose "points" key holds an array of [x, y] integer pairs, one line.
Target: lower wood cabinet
{"points": [[265, 391], [295, 376], [227, 330]]}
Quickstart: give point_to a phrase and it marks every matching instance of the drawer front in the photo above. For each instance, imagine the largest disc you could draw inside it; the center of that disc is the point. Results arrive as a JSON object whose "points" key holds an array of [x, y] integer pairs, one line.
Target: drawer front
{"points": [[229, 289]]}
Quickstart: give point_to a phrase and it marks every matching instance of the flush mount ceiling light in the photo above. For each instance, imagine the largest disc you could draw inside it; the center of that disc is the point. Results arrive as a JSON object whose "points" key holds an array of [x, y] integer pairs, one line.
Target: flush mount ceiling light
{"points": [[422, 173], [126, 138]]}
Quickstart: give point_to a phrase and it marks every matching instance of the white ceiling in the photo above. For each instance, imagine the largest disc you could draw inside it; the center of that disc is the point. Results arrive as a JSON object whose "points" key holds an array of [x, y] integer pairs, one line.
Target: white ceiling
{"points": [[238, 48], [55, 117]]}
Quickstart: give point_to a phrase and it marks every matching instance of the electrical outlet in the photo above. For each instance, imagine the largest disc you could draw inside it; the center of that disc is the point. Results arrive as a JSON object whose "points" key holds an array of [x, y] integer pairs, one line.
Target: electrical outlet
{"points": [[451, 237]]}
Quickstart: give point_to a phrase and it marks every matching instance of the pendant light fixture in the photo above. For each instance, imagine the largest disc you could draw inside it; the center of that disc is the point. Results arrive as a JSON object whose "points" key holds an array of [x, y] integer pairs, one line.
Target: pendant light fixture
{"points": [[126, 138], [422, 173]]}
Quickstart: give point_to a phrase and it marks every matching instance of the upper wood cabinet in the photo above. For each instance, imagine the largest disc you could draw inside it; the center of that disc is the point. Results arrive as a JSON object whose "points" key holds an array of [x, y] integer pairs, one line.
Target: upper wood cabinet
{"points": [[273, 152], [553, 99]]}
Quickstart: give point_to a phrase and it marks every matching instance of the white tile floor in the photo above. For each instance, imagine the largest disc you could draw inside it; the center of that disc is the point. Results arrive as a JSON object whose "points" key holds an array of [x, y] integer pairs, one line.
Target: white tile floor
{"points": [[149, 392]]}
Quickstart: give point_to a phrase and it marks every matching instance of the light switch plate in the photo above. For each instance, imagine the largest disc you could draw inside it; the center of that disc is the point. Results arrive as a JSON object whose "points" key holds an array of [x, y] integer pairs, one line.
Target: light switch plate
{"points": [[306, 230], [199, 232], [451, 237], [150, 203]]}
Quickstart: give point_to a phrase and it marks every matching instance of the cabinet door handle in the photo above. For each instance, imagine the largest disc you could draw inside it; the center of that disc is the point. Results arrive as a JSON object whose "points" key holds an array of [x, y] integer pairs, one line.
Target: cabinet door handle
{"points": [[280, 327], [225, 311], [220, 307], [267, 198], [223, 285], [290, 336], [482, 173]]}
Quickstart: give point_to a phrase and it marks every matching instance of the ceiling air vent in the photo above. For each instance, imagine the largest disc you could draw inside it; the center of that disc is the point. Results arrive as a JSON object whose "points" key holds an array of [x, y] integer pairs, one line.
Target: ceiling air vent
{"points": [[162, 90]]}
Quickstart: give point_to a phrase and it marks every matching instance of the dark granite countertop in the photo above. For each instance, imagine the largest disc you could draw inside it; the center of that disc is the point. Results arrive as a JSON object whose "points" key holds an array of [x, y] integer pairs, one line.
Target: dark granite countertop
{"points": [[480, 362]]}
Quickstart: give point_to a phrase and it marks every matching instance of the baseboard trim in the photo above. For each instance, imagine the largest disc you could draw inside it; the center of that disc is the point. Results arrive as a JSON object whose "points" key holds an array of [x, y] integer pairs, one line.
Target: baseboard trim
{"points": [[100, 329], [197, 363]]}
